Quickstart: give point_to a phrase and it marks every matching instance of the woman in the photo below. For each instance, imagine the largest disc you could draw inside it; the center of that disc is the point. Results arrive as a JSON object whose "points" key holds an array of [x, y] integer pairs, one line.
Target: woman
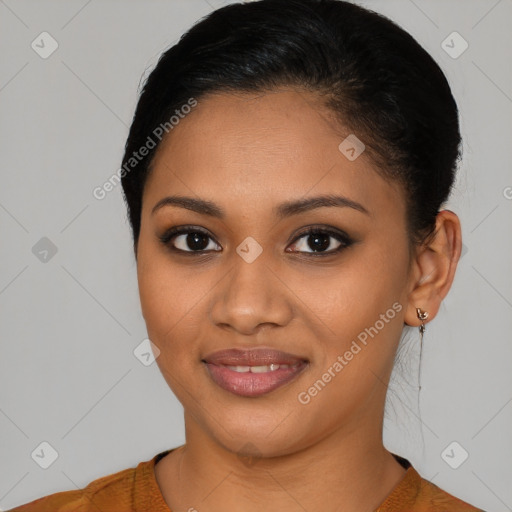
{"points": [[286, 211]]}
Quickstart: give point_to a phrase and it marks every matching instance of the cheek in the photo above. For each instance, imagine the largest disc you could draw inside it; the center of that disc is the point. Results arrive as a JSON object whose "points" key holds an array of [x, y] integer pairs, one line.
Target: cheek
{"points": [[168, 305], [355, 295], [166, 294], [362, 306]]}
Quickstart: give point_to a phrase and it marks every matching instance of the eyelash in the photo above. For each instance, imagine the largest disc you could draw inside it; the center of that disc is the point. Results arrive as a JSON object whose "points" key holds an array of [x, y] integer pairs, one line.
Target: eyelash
{"points": [[345, 240]]}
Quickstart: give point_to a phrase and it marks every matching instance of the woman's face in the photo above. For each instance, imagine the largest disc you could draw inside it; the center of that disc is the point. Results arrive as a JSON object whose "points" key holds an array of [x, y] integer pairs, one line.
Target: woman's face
{"points": [[252, 278]]}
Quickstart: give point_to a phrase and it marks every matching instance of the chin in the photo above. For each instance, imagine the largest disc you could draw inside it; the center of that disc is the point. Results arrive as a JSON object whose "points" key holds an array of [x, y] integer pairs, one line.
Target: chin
{"points": [[257, 437]]}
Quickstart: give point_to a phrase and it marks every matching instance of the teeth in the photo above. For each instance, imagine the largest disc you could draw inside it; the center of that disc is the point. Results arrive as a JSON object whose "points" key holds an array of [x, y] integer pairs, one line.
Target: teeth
{"points": [[239, 369], [258, 369], [263, 369]]}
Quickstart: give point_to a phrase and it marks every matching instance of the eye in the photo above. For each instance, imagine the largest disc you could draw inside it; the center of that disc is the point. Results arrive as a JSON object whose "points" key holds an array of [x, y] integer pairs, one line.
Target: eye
{"points": [[321, 241], [187, 239], [194, 240]]}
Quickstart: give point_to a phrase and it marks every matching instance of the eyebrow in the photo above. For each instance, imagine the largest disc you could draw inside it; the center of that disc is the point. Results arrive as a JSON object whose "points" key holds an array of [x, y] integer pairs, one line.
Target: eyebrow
{"points": [[286, 209]]}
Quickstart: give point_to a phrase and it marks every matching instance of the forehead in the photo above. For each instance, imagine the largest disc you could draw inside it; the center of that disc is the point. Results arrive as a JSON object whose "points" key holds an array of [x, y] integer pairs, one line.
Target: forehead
{"points": [[262, 148]]}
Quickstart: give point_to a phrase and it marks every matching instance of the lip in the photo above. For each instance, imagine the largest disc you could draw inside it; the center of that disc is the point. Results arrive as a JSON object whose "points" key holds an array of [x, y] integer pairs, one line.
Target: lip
{"points": [[249, 384], [260, 356]]}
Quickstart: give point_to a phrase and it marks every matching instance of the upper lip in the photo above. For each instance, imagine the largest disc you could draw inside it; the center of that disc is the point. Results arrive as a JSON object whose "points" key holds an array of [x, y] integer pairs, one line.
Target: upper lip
{"points": [[260, 356]]}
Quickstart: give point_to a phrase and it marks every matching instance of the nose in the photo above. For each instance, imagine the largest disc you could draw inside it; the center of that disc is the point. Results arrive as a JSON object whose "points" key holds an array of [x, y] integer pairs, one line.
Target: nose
{"points": [[251, 296]]}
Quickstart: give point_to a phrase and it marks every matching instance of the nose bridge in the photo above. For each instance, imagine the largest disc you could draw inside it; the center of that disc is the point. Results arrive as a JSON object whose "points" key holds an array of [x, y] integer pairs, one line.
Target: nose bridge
{"points": [[251, 294], [251, 273]]}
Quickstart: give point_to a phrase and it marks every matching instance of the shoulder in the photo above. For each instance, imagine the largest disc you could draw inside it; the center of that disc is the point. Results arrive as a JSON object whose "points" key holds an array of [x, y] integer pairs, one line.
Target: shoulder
{"points": [[417, 494], [111, 492], [431, 497]]}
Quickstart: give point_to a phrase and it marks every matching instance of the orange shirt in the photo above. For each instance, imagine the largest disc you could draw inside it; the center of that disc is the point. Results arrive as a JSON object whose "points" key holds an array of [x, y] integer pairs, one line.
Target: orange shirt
{"points": [[136, 490]]}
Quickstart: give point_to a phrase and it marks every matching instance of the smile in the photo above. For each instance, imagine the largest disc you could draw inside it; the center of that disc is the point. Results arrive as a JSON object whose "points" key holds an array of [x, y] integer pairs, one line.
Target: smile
{"points": [[252, 381]]}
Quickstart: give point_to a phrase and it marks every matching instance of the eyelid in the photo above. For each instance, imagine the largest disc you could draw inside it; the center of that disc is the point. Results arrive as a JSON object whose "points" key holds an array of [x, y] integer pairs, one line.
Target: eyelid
{"points": [[314, 228]]}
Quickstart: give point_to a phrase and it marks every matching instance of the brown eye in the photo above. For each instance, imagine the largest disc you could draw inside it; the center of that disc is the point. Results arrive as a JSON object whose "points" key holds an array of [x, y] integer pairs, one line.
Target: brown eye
{"points": [[315, 241], [321, 241], [188, 240]]}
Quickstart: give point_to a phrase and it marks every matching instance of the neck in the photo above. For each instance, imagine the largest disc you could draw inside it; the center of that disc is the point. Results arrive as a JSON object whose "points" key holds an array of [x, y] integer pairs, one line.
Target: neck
{"points": [[349, 466]]}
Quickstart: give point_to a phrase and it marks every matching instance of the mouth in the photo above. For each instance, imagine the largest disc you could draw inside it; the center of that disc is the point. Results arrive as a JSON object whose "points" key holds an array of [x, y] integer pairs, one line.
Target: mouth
{"points": [[253, 372]]}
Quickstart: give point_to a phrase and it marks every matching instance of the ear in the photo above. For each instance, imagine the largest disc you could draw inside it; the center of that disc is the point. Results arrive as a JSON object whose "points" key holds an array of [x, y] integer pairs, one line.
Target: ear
{"points": [[434, 268]]}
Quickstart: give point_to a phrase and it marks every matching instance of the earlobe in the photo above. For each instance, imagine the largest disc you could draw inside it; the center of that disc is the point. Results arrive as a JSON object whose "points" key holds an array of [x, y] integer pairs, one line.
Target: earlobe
{"points": [[435, 263]]}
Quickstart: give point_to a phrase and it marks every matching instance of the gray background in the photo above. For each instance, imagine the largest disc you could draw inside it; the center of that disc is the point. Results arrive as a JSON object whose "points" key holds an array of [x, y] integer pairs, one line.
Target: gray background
{"points": [[69, 325]]}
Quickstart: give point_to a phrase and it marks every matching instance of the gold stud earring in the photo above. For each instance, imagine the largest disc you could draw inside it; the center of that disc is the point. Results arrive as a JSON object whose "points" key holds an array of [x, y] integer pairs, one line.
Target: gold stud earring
{"points": [[422, 315]]}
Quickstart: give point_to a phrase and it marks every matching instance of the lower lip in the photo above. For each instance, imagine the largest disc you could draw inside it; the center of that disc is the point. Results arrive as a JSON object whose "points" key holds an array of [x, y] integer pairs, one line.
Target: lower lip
{"points": [[252, 384]]}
